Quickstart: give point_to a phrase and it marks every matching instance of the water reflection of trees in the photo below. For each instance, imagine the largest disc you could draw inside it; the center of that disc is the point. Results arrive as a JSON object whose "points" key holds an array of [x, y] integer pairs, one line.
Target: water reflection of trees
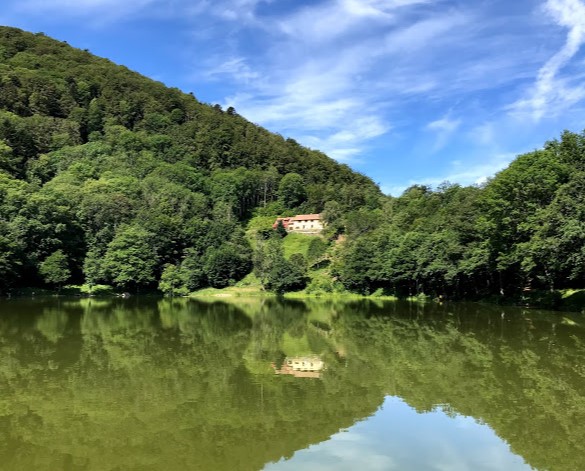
{"points": [[180, 384]]}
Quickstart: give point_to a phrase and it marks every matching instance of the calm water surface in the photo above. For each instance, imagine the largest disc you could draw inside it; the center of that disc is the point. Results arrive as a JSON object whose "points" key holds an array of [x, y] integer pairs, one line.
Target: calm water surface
{"points": [[146, 384]]}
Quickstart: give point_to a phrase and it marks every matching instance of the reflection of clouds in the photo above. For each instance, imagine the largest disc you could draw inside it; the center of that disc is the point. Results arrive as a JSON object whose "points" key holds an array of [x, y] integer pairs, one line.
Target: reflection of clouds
{"points": [[397, 437], [354, 456], [464, 422], [348, 436], [343, 452]]}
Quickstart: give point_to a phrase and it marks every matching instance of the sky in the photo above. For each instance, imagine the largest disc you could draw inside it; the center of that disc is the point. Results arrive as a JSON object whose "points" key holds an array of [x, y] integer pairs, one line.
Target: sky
{"points": [[404, 91]]}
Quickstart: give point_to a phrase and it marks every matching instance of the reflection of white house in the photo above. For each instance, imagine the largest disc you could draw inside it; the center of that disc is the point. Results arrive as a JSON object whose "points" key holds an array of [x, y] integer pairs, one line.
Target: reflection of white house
{"points": [[301, 367], [303, 223]]}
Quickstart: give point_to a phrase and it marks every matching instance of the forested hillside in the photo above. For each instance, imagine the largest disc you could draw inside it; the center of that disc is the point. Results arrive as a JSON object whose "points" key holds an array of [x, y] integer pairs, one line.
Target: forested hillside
{"points": [[109, 177]]}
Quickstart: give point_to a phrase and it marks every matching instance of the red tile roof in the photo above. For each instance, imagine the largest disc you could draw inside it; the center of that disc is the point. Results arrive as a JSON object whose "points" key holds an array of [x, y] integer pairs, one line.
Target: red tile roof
{"points": [[285, 222], [306, 217]]}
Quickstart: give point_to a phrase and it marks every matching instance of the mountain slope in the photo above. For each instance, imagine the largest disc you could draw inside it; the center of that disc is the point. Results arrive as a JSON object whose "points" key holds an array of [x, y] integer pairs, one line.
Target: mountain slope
{"points": [[107, 176]]}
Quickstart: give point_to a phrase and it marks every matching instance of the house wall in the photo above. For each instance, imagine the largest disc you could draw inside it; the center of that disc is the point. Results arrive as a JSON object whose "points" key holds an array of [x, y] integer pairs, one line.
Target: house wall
{"points": [[314, 225]]}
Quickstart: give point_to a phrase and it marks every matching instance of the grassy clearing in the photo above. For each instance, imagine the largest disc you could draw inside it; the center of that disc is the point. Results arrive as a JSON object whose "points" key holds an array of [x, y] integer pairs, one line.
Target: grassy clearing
{"points": [[231, 292], [249, 281], [342, 296], [297, 243]]}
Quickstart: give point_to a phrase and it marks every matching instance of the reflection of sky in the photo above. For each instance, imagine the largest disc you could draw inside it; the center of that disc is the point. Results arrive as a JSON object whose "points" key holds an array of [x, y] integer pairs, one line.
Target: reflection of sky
{"points": [[397, 437]]}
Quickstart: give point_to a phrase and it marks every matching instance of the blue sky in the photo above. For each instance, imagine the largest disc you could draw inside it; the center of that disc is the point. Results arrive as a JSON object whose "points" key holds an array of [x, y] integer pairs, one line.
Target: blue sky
{"points": [[405, 91]]}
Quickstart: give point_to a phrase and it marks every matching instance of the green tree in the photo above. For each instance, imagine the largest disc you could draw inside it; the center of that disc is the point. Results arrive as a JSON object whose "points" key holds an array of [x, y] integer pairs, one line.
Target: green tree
{"points": [[280, 230], [266, 254], [226, 265], [95, 117], [285, 276], [172, 281], [55, 269], [130, 259], [291, 190], [358, 265], [8, 161], [317, 249], [193, 271], [10, 257]]}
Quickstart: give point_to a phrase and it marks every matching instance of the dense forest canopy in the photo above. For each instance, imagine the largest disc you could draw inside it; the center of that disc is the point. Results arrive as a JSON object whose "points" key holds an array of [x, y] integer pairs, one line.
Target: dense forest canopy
{"points": [[109, 177], [523, 230], [118, 176]]}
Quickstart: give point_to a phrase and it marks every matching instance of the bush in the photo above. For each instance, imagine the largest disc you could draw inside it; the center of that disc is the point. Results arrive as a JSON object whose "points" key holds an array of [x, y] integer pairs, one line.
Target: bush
{"points": [[96, 290]]}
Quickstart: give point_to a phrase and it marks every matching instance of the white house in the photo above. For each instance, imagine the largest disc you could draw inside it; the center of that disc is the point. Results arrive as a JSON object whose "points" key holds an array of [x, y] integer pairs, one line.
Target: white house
{"points": [[303, 223]]}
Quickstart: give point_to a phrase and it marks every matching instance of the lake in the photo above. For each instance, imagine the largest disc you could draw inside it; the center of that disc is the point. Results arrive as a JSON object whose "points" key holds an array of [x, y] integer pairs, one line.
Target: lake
{"points": [[253, 384]]}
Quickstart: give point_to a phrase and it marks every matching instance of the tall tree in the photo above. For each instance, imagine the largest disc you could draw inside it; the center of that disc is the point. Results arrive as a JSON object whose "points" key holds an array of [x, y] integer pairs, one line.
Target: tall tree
{"points": [[291, 190], [55, 269]]}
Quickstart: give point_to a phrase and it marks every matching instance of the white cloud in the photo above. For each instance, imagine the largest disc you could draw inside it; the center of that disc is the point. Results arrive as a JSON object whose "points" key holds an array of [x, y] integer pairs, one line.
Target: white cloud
{"points": [[69, 7], [460, 172], [342, 144], [444, 128], [330, 20], [444, 125], [115, 10], [418, 35], [236, 10], [320, 102], [484, 134], [551, 93], [233, 67], [377, 8]]}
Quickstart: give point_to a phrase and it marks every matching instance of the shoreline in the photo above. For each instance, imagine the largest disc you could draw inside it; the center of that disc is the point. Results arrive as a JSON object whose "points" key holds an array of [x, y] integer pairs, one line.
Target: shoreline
{"points": [[560, 300]]}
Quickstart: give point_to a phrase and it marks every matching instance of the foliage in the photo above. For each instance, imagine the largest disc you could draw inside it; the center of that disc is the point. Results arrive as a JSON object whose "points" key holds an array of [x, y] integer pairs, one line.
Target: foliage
{"points": [[226, 265], [172, 281], [126, 176], [284, 275], [95, 290], [130, 260], [280, 230], [297, 243], [524, 230], [54, 269], [291, 191]]}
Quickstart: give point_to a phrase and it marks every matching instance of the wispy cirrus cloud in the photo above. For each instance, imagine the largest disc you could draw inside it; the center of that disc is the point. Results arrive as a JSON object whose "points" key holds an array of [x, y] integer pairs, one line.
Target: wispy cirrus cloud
{"points": [[119, 10], [444, 129], [233, 10], [87, 7], [331, 20], [459, 172], [552, 92], [233, 67]]}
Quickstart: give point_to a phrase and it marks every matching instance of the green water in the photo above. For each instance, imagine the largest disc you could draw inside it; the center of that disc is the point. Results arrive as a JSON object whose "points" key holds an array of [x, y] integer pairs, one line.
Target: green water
{"points": [[150, 384]]}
